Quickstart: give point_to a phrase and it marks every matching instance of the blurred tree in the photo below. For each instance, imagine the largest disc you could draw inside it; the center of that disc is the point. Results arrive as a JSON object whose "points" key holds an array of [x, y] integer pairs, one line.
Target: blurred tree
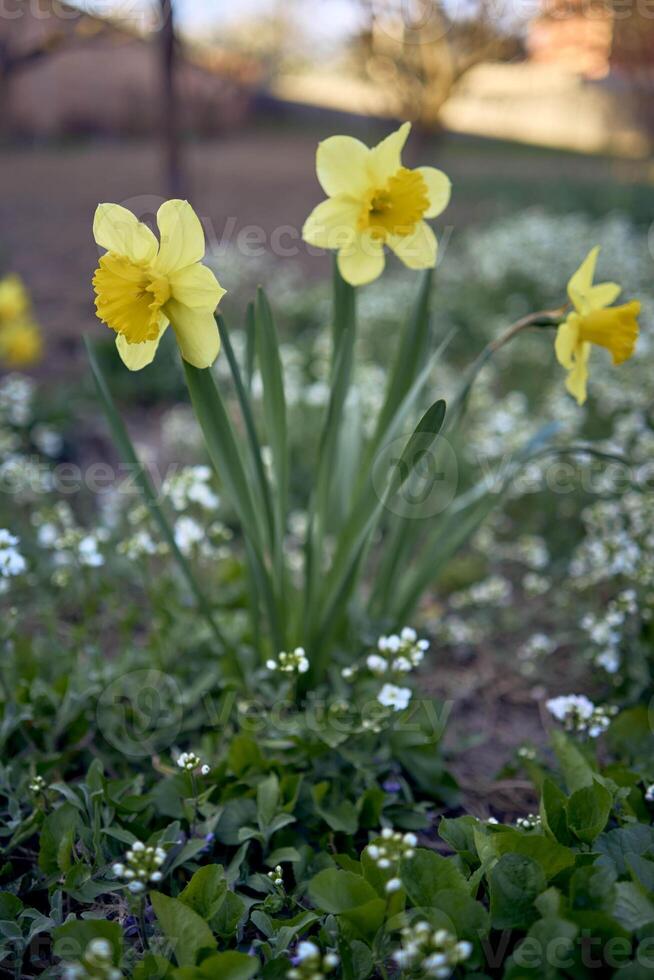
{"points": [[417, 52]]}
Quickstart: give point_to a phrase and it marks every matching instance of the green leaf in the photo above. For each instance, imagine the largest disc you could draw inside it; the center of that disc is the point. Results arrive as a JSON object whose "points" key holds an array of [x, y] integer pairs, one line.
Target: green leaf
{"points": [[642, 871], [553, 812], [427, 873], [274, 404], [339, 891], [72, 938], [515, 882], [576, 768], [57, 838], [150, 498], [225, 921], [206, 891], [552, 857], [244, 755], [186, 932], [340, 815], [588, 810], [10, 906], [632, 908], [618, 845], [226, 966], [267, 800]]}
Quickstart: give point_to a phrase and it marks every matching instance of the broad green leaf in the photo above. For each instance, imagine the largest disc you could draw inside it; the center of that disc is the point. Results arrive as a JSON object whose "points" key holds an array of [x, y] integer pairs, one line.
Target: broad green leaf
{"points": [[552, 857], [427, 873], [186, 932], [589, 809], [267, 800], [632, 909], [553, 812], [339, 891], [206, 891], [618, 845], [576, 768], [57, 838], [515, 882], [231, 965]]}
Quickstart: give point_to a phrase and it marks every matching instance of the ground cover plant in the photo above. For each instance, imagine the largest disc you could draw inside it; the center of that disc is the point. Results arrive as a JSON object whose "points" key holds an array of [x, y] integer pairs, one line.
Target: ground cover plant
{"points": [[219, 760]]}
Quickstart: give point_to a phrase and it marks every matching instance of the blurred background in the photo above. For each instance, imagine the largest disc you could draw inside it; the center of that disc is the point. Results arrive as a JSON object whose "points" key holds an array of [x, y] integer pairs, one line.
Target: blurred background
{"points": [[522, 102]]}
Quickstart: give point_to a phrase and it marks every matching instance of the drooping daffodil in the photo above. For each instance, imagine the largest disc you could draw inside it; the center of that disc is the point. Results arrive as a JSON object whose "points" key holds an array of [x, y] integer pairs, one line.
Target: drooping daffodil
{"points": [[594, 321], [374, 201], [142, 285]]}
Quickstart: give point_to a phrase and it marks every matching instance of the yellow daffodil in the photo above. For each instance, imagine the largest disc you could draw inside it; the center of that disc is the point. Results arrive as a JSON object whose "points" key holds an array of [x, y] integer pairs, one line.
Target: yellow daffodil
{"points": [[594, 321], [374, 201], [20, 344], [142, 285], [14, 301]]}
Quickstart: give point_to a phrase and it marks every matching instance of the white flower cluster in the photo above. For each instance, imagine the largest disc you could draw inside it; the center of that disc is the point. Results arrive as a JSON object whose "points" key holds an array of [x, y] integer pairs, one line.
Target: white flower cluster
{"points": [[12, 562], [277, 876], [142, 865], [396, 656], [388, 854], [72, 545], [649, 793], [141, 544], [36, 785], [309, 963], [434, 952], [295, 662], [493, 591], [531, 822], [96, 964], [16, 399], [580, 715], [538, 646], [189, 762], [606, 630], [191, 485]]}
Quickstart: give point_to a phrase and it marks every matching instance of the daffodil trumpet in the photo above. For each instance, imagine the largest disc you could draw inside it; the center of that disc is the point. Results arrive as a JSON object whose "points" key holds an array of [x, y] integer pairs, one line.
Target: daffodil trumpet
{"points": [[593, 320], [374, 201], [142, 285]]}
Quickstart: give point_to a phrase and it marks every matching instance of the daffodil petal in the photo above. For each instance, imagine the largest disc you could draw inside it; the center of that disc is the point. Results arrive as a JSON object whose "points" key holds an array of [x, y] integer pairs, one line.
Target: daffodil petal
{"points": [[578, 376], [137, 356], [341, 163], [581, 282], [567, 340], [362, 260], [439, 188], [182, 237], [603, 295], [385, 159], [118, 230], [196, 332], [417, 250], [196, 287], [332, 224]]}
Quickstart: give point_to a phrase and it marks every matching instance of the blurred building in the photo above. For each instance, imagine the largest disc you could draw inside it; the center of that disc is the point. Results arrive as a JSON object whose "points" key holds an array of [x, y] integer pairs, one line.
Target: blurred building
{"points": [[65, 72]]}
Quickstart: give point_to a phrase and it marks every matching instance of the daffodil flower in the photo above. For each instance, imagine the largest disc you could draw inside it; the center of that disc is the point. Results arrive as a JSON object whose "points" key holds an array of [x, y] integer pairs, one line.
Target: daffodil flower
{"points": [[374, 201], [14, 301], [142, 285], [594, 321], [20, 344]]}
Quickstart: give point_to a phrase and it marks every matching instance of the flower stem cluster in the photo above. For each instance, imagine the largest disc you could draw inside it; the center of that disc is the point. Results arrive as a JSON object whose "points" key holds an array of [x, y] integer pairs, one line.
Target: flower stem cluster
{"points": [[190, 762], [388, 854], [531, 822], [309, 963], [295, 662], [429, 952], [142, 865], [96, 964], [277, 877], [579, 715]]}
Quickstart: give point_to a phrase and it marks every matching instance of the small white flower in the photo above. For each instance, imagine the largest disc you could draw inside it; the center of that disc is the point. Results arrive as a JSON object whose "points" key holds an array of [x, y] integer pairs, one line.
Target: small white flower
{"points": [[306, 950], [377, 664], [392, 696], [393, 885]]}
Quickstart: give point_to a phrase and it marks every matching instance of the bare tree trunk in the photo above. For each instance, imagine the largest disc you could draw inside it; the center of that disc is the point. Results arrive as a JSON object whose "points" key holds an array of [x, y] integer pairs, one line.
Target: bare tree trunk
{"points": [[169, 104]]}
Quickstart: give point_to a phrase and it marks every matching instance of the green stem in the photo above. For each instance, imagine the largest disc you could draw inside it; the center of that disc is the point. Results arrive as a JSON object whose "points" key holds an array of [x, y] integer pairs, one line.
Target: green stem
{"points": [[128, 453]]}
